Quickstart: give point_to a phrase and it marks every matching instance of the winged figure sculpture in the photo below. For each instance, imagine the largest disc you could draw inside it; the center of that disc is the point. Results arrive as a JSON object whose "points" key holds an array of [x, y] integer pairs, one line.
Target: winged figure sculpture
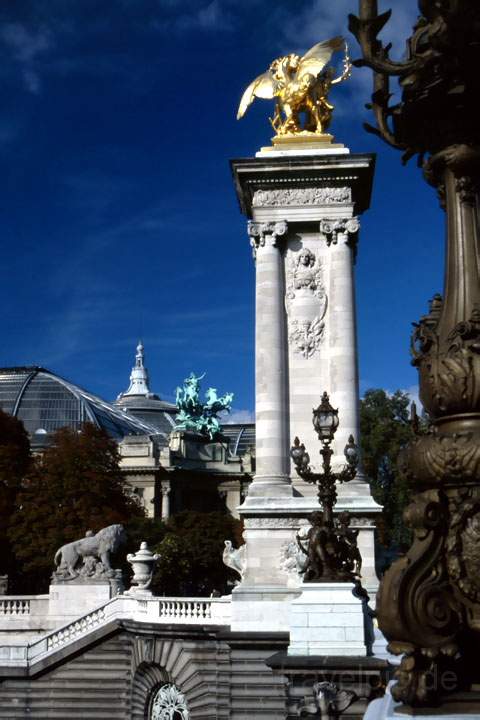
{"points": [[300, 86]]}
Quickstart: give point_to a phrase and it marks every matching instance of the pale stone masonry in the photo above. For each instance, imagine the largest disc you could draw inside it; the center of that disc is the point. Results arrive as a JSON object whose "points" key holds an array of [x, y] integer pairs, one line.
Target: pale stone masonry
{"points": [[327, 619], [303, 213], [272, 467]]}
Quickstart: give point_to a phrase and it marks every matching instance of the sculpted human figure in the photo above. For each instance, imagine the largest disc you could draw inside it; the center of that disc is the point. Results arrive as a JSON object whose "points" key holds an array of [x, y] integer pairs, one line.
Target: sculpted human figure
{"points": [[332, 550], [348, 539], [304, 279], [188, 396], [305, 274], [319, 550], [197, 416]]}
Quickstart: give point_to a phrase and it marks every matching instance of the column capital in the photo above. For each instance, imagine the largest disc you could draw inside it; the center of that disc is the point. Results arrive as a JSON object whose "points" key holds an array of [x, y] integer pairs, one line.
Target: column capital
{"points": [[266, 232], [333, 228], [347, 229], [165, 487]]}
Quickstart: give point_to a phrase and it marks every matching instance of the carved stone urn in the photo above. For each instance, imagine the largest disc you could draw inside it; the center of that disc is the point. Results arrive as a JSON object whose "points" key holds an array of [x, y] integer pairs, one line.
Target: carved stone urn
{"points": [[142, 562]]}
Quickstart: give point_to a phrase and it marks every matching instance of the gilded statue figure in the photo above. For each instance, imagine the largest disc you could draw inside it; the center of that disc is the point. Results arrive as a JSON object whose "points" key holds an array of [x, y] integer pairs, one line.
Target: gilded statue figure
{"points": [[300, 86]]}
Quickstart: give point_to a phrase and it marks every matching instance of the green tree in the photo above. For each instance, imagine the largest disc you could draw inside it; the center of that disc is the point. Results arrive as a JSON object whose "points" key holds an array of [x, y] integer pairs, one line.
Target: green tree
{"points": [[74, 487], [15, 461], [139, 529], [385, 428], [191, 554]]}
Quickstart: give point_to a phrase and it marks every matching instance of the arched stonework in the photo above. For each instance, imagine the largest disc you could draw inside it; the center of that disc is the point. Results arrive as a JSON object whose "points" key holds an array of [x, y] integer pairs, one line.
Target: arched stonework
{"points": [[198, 668], [147, 677]]}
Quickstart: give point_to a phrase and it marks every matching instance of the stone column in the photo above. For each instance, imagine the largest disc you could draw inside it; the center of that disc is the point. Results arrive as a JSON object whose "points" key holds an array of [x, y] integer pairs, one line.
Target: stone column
{"points": [[149, 497], [272, 463], [305, 344], [165, 489], [230, 493], [341, 237]]}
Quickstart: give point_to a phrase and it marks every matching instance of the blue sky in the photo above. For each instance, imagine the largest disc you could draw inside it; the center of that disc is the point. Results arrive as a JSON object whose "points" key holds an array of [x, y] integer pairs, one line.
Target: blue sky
{"points": [[119, 218]]}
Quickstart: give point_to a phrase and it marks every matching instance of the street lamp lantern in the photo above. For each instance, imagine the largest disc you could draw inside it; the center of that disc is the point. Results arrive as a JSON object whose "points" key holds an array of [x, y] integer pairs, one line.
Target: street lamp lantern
{"points": [[325, 420], [332, 553], [351, 452], [299, 455]]}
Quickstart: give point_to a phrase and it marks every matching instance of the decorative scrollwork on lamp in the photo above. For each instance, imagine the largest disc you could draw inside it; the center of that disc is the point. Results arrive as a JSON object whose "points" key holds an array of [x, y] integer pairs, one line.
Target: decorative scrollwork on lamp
{"points": [[332, 552], [429, 601]]}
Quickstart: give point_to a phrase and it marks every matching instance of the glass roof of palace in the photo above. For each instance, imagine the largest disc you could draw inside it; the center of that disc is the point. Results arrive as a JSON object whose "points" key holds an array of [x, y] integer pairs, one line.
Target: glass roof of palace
{"points": [[46, 402]]}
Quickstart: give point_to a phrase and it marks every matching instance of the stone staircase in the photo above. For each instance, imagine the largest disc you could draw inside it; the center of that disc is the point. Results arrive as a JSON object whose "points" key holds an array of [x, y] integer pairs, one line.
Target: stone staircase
{"points": [[171, 611]]}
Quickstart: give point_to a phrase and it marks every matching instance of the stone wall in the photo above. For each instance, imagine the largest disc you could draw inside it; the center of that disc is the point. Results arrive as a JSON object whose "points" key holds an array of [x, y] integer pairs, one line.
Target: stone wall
{"points": [[114, 673], [90, 684]]}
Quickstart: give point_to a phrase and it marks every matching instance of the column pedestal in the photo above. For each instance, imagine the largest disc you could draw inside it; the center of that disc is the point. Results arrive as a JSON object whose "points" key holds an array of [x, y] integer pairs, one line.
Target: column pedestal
{"points": [[327, 620], [70, 599]]}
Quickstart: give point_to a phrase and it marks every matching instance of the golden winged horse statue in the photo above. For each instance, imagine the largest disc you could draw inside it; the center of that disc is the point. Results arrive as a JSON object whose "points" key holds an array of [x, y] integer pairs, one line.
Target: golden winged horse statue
{"points": [[300, 86]]}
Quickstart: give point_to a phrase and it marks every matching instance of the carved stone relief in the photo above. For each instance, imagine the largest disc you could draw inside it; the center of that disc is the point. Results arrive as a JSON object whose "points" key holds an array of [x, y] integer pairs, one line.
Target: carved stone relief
{"points": [[292, 559], [362, 522], [263, 523], [302, 196], [305, 301]]}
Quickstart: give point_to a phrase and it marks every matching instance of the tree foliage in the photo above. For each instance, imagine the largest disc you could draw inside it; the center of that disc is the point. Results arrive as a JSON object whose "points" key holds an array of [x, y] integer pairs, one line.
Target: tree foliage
{"points": [[15, 461], [74, 487], [385, 428], [191, 554]]}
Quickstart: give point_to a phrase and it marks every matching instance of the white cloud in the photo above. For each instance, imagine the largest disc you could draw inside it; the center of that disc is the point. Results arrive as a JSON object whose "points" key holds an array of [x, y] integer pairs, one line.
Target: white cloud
{"points": [[412, 391], [239, 416], [319, 20], [213, 15], [25, 47]]}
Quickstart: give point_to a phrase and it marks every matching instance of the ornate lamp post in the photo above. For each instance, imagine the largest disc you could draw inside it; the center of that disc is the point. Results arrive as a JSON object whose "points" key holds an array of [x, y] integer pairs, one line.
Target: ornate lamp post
{"points": [[332, 554], [429, 601]]}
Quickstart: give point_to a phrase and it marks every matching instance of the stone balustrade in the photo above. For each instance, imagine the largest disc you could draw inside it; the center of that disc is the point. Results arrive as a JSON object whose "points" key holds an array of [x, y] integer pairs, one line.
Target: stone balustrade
{"points": [[26, 614], [190, 610], [14, 606], [177, 611], [72, 631]]}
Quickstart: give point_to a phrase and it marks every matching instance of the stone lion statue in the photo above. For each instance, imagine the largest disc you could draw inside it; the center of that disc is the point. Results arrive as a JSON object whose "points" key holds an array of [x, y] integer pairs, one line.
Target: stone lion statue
{"points": [[76, 558]]}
